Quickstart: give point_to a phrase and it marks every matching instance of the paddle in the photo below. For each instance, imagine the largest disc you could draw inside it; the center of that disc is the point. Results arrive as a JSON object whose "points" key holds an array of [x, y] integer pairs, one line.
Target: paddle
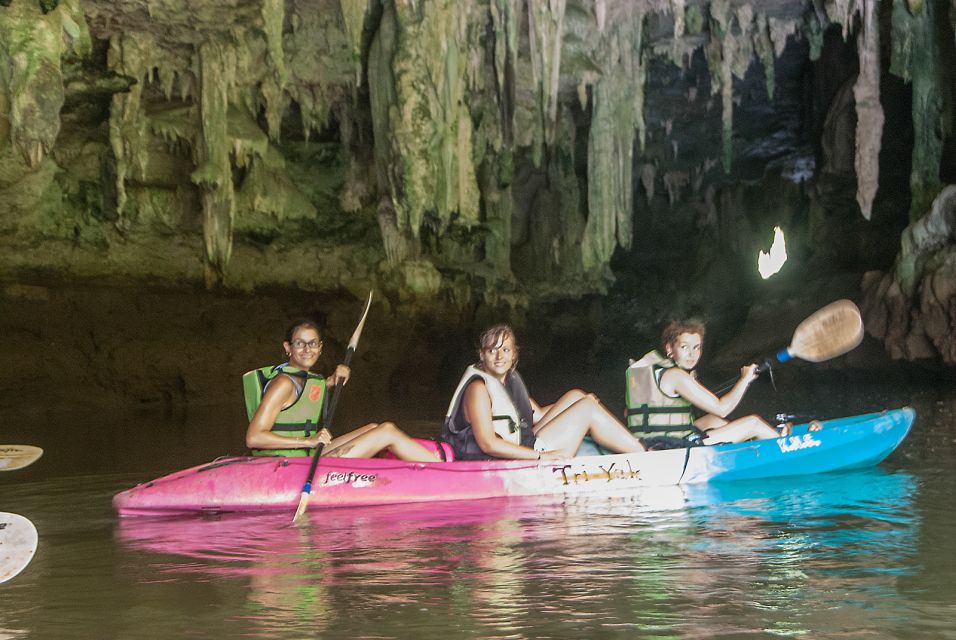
{"points": [[829, 332], [18, 543], [17, 456], [307, 487]]}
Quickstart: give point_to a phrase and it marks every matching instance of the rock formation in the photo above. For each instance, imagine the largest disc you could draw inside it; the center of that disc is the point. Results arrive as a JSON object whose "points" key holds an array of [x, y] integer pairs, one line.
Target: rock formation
{"points": [[493, 151]]}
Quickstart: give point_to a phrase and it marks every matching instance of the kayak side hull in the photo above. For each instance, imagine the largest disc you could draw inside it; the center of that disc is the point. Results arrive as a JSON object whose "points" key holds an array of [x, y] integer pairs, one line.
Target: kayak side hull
{"points": [[274, 484]]}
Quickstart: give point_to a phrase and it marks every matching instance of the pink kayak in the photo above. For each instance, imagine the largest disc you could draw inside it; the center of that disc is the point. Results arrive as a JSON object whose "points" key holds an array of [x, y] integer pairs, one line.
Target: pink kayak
{"points": [[274, 484]]}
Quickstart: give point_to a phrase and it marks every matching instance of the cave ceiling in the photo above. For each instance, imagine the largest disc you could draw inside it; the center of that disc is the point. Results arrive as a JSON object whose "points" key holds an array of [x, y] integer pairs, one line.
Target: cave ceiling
{"points": [[494, 140]]}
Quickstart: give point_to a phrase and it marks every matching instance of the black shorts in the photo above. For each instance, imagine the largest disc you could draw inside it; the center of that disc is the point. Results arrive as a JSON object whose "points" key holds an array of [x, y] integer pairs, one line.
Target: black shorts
{"points": [[660, 443]]}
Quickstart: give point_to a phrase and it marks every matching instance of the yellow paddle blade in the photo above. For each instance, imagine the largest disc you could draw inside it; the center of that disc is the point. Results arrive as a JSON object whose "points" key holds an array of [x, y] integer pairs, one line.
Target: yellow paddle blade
{"points": [[828, 333], [17, 456]]}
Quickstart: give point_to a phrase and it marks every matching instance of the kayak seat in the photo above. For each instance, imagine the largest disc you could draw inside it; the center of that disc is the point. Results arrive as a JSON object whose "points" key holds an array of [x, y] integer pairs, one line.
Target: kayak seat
{"points": [[448, 454]]}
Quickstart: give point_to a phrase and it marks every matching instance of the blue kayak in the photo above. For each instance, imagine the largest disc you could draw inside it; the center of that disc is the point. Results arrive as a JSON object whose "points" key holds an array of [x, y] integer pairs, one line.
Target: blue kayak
{"points": [[842, 443]]}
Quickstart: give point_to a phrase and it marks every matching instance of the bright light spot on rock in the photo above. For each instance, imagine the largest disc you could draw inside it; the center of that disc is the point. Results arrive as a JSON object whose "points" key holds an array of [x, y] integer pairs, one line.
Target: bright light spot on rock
{"points": [[770, 263]]}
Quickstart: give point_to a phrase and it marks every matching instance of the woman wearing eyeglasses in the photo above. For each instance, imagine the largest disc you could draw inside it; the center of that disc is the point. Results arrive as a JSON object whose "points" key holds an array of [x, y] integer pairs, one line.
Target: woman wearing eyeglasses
{"points": [[286, 404]]}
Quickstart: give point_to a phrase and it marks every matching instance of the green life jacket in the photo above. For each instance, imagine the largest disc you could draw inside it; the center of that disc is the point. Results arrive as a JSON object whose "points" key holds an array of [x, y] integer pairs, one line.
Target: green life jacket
{"points": [[300, 419], [650, 411]]}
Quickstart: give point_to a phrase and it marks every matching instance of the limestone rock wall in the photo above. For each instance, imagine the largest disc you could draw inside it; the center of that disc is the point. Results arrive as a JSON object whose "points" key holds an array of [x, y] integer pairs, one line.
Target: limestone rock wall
{"points": [[912, 308], [492, 151]]}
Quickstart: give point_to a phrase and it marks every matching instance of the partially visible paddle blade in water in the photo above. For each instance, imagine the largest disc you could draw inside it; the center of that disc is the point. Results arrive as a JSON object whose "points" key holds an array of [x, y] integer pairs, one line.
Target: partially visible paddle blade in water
{"points": [[17, 456], [18, 543]]}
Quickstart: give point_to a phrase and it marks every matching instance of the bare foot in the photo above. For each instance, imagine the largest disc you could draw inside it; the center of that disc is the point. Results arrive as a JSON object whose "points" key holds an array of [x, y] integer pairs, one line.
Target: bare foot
{"points": [[815, 425]]}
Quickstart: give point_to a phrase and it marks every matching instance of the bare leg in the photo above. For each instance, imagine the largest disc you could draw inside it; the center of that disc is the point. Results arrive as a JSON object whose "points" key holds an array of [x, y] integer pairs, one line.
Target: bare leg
{"points": [[350, 436], [751, 427], [367, 441], [566, 430], [553, 410], [708, 422]]}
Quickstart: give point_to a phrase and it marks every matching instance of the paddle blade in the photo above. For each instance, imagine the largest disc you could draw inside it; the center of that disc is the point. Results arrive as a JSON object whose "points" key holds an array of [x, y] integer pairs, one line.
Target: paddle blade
{"points": [[353, 342], [303, 505], [17, 456], [828, 333], [18, 543]]}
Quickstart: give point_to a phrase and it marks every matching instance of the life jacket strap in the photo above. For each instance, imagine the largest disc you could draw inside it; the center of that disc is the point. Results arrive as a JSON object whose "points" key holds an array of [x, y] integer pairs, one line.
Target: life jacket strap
{"points": [[441, 448], [646, 411], [512, 427]]}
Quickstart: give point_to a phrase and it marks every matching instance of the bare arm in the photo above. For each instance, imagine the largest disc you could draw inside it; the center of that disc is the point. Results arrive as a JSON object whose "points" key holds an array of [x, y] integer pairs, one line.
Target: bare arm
{"points": [[477, 408], [682, 383], [259, 434]]}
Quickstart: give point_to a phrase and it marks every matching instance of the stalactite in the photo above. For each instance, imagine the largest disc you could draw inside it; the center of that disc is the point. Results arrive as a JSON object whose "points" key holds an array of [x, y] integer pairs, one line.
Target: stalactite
{"points": [[167, 81], [32, 44], [545, 35], [639, 76], [677, 9], [504, 15], [353, 16], [499, 205], [648, 176], [813, 32], [674, 181], [213, 174], [869, 112], [763, 46], [607, 198], [617, 113], [780, 30], [421, 97], [273, 17], [727, 107], [319, 61], [742, 40], [398, 239], [720, 57], [564, 252], [843, 11], [399, 246], [129, 54], [915, 56]]}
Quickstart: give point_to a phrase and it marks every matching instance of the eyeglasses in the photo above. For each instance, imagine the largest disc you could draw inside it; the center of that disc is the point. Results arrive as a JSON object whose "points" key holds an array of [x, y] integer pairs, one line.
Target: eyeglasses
{"points": [[299, 345]]}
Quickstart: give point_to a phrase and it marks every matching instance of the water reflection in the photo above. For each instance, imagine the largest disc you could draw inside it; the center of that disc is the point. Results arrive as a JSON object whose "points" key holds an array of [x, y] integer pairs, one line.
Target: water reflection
{"points": [[702, 561]]}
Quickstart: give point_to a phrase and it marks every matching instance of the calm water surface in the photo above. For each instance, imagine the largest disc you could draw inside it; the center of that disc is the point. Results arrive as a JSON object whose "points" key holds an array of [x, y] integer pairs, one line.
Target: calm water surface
{"points": [[864, 554]]}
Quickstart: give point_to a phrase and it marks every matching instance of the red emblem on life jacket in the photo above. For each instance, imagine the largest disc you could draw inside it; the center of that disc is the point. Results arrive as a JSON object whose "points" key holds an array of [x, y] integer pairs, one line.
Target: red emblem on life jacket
{"points": [[315, 392]]}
